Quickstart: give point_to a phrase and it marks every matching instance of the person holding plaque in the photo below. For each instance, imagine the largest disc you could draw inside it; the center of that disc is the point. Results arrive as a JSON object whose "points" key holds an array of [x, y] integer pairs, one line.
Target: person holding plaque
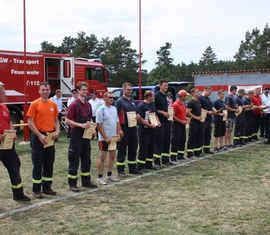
{"points": [[43, 119], [238, 138], [8, 154], [179, 127], [109, 133], [163, 134], [148, 122], [194, 110], [230, 106], [207, 105], [219, 123], [126, 109], [78, 118]]}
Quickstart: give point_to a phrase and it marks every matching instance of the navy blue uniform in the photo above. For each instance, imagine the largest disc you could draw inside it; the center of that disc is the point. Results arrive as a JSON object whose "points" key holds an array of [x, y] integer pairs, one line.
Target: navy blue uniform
{"points": [[206, 104], [163, 133], [146, 137], [220, 125], [238, 138], [194, 144], [130, 139]]}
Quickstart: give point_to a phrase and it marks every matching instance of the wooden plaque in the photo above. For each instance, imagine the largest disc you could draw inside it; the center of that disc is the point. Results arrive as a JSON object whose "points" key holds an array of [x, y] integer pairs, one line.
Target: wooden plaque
{"points": [[171, 113], [8, 140], [132, 120], [89, 132]]}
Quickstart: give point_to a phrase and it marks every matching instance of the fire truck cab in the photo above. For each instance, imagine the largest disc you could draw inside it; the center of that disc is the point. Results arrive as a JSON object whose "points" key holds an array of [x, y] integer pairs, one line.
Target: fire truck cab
{"points": [[61, 71]]}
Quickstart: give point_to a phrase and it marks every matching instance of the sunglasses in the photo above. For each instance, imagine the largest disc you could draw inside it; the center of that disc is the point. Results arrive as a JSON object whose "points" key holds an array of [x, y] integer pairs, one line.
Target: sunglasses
{"points": [[110, 97]]}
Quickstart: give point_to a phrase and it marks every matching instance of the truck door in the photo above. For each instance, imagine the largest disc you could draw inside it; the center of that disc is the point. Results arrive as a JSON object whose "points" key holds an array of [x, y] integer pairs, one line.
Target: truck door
{"points": [[67, 76]]}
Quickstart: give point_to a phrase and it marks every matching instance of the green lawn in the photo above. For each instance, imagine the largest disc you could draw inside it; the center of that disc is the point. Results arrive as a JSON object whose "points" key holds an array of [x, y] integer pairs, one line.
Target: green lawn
{"points": [[224, 194]]}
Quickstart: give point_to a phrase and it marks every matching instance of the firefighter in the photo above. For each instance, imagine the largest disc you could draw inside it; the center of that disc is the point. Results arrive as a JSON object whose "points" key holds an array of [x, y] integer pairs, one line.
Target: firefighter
{"points": [[146, 131], [194, 145], [78, 118], [248, 118], [207, 105], [162, 137], [9, 157], [42, 119], [220, 125], [238, 138], [179, 127], [230, 106], [126, 109]]}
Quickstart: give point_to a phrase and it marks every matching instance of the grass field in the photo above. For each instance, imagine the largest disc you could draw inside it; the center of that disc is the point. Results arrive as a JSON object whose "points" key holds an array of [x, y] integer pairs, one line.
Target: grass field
{"points": [[224, 194]]}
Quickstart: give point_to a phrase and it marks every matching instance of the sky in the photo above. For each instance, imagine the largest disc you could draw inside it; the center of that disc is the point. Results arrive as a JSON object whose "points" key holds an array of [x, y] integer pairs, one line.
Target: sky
{"points": [[191, 25]]}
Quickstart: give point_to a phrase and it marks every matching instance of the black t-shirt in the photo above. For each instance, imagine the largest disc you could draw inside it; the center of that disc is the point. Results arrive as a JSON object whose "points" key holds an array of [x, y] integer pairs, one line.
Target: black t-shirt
{"points": [[143, 109], [161, 103], [123, 106], [206, 104], [219, 105], [230, 101], [195, 106], [247, 113]]}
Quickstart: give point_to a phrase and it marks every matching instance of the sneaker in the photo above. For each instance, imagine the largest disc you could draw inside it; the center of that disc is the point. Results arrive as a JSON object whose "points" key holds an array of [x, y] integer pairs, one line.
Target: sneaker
{"points": [[21, 197], [49, 191], [101, 181], [122, 174], [90, 185], [74, 189], [112, 178], [37, 195]]}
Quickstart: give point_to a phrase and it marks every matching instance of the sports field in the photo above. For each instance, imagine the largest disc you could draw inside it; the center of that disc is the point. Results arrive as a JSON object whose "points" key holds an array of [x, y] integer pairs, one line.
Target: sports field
{"points": [[224, 194]]}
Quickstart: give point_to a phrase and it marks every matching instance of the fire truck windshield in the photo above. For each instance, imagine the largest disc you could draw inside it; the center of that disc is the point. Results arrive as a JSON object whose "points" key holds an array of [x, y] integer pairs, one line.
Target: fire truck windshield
{"points": [[95, 74]]}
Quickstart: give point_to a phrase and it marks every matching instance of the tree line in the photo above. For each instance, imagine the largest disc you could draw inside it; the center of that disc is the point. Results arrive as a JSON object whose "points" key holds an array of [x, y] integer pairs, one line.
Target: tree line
{"points": [[122, 60]]}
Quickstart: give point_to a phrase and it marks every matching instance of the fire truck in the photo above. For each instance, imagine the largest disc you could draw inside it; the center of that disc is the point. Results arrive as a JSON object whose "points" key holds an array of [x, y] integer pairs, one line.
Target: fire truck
{"points": [[222, 80], [61, 71]]}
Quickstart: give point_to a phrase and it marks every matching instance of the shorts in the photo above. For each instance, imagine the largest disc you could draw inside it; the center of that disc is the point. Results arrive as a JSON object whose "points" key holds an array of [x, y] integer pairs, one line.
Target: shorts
{"points": [[230, 123], [103, 146], [220, 129]]}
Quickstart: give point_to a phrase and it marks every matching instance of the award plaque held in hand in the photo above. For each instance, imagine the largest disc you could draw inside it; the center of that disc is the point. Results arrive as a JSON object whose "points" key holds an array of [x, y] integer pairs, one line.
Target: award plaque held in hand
{"points": [[8, 140], [132, 121], [89, 132]]}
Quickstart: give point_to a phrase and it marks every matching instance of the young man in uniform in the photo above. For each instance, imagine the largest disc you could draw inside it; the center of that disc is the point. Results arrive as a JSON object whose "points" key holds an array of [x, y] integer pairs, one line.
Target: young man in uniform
{"points": [[248, 118], [146, 132], [78, 118], [126, 106], [220, 125], [108, 126], [9, 157], [179, 127], [230, 106], [42, 119], [207, 105], [238, 138], [163, 133], [194, 145]]}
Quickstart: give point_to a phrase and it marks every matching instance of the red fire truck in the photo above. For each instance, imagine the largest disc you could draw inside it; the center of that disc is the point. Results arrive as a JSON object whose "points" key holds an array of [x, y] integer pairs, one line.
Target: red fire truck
{"points": [[61, 71]]}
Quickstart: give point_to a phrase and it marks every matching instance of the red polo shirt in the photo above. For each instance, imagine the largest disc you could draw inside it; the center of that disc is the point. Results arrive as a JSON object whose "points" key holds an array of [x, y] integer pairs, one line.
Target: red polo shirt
{"points": [[256, 100], [179, 109], [4, 118]]}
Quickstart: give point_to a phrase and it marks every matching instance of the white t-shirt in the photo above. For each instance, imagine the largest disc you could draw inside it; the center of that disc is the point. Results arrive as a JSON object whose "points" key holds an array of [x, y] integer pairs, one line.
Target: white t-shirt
{"points": [[70, 100], [107, 116], [266, 101], [95, 104]]}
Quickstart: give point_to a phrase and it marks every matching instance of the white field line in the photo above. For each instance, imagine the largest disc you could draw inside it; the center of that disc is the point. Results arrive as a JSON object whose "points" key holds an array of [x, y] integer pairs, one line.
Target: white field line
{"points": [[74, 195]]}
